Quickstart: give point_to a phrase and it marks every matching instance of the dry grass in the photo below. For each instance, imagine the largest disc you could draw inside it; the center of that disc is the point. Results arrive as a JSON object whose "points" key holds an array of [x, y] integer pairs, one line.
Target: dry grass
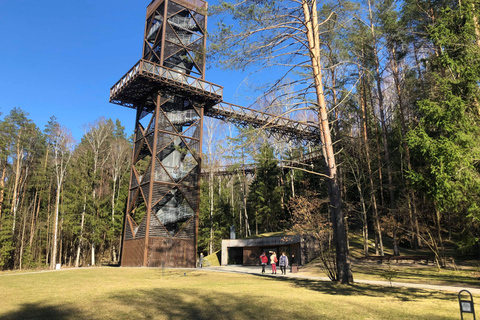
{"points": [[141, 293]]}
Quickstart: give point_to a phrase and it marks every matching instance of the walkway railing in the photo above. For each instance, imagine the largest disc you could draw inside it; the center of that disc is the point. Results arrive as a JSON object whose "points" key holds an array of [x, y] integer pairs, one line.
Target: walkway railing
{"points": [[277, 124]]}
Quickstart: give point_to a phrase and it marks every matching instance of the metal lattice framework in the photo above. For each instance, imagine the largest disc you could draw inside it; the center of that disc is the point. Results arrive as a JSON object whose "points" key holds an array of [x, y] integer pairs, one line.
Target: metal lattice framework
{"points": [[170, 95], [229, 170], [168, 91], [250, 168], [276, 125]]}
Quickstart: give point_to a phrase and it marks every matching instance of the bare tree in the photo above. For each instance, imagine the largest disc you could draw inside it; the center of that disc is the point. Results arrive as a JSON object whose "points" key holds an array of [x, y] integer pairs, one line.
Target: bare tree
{"points": [[62, 147], [120, 151], [211, 126], [97, 136], [310, 219], [119, 157]]}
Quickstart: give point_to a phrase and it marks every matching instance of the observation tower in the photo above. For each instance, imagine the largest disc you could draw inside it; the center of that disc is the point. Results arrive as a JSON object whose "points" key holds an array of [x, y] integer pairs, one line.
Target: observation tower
{"points": [[168, 91]]}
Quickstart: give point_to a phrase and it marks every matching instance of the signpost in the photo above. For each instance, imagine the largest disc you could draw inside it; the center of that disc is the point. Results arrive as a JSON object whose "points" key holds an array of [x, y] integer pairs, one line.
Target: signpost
{"points": [[466, 306]]}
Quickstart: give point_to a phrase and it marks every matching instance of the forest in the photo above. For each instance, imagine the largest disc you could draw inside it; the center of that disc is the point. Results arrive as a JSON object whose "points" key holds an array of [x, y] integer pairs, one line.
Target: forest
{"points": [[397, 95]]}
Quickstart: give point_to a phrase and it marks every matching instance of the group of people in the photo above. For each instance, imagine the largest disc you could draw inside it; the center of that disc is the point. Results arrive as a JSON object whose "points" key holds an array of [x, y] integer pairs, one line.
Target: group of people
{"points": [[283, 262]]}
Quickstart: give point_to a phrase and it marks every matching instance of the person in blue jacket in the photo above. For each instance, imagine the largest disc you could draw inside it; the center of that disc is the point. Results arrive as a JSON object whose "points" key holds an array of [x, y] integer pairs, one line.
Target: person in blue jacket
{"points": [[283, 263]]}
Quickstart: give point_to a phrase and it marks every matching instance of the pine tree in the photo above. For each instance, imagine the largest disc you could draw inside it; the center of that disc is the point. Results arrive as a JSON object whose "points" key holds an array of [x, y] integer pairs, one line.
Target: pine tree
{"points": [[446, 142], [266, 192]]}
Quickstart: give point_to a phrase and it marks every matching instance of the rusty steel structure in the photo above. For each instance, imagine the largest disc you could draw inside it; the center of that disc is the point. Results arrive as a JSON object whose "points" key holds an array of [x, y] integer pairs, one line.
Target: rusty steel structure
{"points": [[168, 91], [250, 168], [167, 88], [228, 170], [276, 125]]}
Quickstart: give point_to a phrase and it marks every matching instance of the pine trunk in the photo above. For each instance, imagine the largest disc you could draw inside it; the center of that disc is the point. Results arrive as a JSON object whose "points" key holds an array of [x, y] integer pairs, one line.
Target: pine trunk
{"points": [[55, 230], [334, 192], [376, 219]]}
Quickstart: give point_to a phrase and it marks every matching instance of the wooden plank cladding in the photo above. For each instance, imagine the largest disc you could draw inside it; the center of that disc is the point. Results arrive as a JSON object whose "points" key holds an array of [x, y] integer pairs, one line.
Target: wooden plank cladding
{"points": [[171, 252], [132, 255]]}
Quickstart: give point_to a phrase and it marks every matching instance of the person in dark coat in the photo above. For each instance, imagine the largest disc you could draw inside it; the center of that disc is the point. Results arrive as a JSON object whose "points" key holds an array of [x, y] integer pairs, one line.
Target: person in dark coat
{"points": [[293, 261], [263, 261]]}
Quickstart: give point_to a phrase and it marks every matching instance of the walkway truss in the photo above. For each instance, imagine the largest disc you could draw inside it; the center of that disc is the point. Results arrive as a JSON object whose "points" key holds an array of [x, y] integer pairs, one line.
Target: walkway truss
{"points": [[168, 91]]}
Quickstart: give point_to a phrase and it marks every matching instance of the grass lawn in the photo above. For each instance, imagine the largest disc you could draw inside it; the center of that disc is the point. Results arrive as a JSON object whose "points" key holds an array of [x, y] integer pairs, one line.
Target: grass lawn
{"points": [[464, 273], [464, 276], [141, 293]]}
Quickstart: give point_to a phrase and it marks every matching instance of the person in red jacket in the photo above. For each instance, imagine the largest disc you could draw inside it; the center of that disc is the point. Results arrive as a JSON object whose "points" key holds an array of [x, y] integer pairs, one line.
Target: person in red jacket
{"points": [[263, 261]]}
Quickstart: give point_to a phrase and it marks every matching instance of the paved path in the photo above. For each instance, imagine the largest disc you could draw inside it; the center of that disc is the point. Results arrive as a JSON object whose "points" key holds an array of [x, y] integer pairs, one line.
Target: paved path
{"points": [[257, 271]]}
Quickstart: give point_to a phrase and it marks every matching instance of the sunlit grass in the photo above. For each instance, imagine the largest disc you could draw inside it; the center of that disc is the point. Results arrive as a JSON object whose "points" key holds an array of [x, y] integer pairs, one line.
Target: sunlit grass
{"points": [[141, 293]]}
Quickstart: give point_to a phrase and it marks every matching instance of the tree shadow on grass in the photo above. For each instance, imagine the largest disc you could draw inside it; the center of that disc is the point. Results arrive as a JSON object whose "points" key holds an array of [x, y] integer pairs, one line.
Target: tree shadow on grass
{"points": [[195, 304], [360, 289], [37, 312]]}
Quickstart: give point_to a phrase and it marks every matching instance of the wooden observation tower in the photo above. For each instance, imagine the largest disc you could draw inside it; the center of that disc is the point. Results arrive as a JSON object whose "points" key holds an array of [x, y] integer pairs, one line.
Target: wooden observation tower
{"points": [[168, 91]]}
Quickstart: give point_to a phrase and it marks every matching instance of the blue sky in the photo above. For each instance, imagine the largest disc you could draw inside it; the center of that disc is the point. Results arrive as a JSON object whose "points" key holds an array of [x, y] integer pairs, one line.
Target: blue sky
{"points": [[61, 58]]}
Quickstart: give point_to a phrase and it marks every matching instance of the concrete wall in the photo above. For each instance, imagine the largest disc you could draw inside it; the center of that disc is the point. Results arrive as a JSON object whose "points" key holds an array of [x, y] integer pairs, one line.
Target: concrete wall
{"points": [[252, 247]]}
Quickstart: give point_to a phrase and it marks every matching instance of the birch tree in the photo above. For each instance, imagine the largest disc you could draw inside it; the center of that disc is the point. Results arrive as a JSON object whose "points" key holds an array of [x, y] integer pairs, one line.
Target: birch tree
{"points": [[97, 136], [62, 149]]}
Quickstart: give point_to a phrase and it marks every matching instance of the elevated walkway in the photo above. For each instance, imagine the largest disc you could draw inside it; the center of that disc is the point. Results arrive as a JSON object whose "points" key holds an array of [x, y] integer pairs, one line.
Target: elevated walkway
{"points": [[135, 89], [250, 167]]}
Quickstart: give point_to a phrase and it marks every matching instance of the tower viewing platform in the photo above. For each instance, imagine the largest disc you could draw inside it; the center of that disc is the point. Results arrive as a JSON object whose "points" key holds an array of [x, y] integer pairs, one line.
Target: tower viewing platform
{"points": [[146, 77]]}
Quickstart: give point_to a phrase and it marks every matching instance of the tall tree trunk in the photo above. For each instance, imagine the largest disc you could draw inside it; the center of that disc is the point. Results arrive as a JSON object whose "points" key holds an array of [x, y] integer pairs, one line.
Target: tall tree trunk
{"points": [[339, 231], [438, 226], [210, 192], [244, 192], [378, 156], [475, 24], [21, 241], [292, 181], [113, 198], [16, 183], [411, 195], [355, 172], [60, 251], [55, 230], [36, 203], [383, 123], [378, 80], [49, 207], [376, 218], [417, 63], [336, 126], [2, 189], [240, 224]]}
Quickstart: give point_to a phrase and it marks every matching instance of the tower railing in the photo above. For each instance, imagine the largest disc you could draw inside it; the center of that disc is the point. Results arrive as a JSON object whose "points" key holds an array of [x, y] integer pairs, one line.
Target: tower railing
{"points": [[157, 72]]}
